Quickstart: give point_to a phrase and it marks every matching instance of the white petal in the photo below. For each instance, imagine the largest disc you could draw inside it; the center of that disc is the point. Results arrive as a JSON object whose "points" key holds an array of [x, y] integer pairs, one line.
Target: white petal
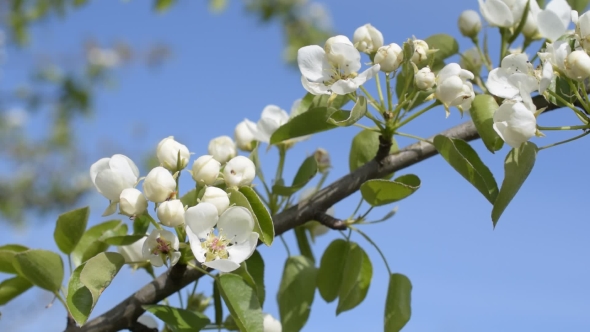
{"points": [[562, 9], [111, 209], [367, 75], [170, 237], [499, 85], [222, 265], [515, 63], [97, 167], [201, 219], [343, 87], [122, 163], [236, 224], [275, 113], [497, 13], [452, 69], [547, 76], [196, 247], [315, 88], [348, 57], [174, 258], [111, 183], [550, 25], [242, 251], [526, 83], [311, 62], [156, 260]]}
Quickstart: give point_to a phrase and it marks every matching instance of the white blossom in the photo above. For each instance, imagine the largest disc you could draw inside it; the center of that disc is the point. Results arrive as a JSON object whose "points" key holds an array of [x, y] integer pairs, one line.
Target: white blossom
{"points": [[582, 29], [515, 69], [554, 20], [244, 136], [159, 185], [578, 65], [556, 54], [420, 51], [240, 171], [205, 170], [270, 324], [167, 152], [271, 118], [453, 87], [332, 69], [217, 197], [502, 13], [171, 213], [132, 202], [515, 122], [133, 252], [367, 39], [161, 246], [111, 176], [234, 242], [222, 148], [424, 78], [469, 23], [389, 57]]}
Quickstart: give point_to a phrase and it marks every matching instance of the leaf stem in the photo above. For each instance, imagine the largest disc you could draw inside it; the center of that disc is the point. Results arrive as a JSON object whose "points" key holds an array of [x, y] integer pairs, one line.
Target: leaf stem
{"points": [[417, 114], [200, 269], [563, 142], [378, 81], [389, 93], [374, 245], [285, 244], [564, 127]]}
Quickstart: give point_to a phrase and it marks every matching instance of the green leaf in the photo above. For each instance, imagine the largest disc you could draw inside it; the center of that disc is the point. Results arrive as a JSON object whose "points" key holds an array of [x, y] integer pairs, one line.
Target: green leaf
{"points": [[163, 5], [141, 224], [356, 278], [331, 269], [322, 101], [306, 172], [190, 198], [461, 156], [69, 229], [217, 303], [99, 271], [13, 287], [256, 270], [310, 122], [42, 268], [91, 242], [296, 292], [398, 304], [517, 167], [123, 240], [7, 253], [303, 242], [358, 111], [447, 46], [381, 192], [242, 302], [482, 113], [242, 271], [364, 148], [79, 298], [578, 5], [179, 320], [263, 218], [304, 105]]}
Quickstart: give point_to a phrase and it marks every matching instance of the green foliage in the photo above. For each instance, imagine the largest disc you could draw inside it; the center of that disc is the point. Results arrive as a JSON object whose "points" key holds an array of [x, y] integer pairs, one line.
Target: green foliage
{"points": [[461, 156], [123, 240], [579, 5], [69, 229], [296, 292], [303, 242], [256, 269], [42, 268], [331, 271], [364, 148], [517, 167], [141, 224], [311, 122], [356, 278], [306, 172], [398, 304], [381, 192], [447, 46], [482, 113], [92, 242], [7, 253], [79, 299], [241, 301], [263, 218], [358, 112], [163, 5], [179, 320], [13, 287], [217, 303]]}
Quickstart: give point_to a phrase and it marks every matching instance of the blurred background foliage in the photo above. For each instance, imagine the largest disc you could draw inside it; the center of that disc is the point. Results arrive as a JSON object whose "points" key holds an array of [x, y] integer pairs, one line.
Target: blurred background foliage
{"points": [[36, 170]]}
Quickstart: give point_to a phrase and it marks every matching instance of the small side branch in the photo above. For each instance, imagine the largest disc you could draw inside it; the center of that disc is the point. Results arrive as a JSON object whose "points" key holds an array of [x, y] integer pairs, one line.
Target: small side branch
{"points": [[329, 221]]}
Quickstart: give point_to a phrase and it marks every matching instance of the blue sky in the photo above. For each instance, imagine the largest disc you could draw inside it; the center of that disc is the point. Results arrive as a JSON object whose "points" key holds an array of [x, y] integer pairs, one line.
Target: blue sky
{"points": [[529, 274]]}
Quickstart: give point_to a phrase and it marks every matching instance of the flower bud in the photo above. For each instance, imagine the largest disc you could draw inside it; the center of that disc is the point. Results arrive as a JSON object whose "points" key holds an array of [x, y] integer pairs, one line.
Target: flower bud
{"points": [[471, 60], [239, 172], [340, 51], [367, 39], [244, 136], [168, 152], [469, 23], [132, 202], [171, 213], [216, 197], [389, 57], [578, 65], [205, 170], [222, 148], [111, 175], [159, 185], [424, 78], [420, 51], [270, 324], [322, 158], [132, 252]]}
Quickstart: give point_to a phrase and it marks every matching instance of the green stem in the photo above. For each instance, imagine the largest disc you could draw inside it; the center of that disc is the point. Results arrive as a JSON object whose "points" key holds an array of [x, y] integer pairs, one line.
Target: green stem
{"points": [[200, 269], [381, 100], [563, 142], [564, 127], [282, 155], [537, 53], [70, 263], [567, 103], [357, 208], [417, 114], [414, 137], [180, 299], [389, 93], [483, 57], [368, 114], [374, 245], [322, 180], [285, 244], [261, 197], [577, 92], [372, 100], [153, 222], [366, 213], [57, 296], [504, 44]]}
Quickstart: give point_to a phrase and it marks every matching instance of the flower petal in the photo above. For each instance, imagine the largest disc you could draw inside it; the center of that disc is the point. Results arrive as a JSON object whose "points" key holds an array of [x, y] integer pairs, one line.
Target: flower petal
{"points": [[201, 219], [367, 75], [242, 251], [111, 183], [311, 62], [499, 85], [452, 69], [222, 265], [550, 25], [122, 164], [196, 247], [315, 88], [497, 13], [97, 167], [236, 224]]}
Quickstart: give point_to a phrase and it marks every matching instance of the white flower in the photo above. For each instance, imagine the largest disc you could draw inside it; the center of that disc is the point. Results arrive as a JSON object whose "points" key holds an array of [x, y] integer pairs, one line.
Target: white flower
{"points": [[514, 70], [582, 29], [453, 89], [222, 148], [132, 202], [367, 39], [545, 76], [578, 64], [332, 69], [502, 13], [171, 213], [111, 175], [531, 27], [167, 153], [103, 57], [389, 57], [205, 170], [217, 197], [243, 136], [160, 246], [240, 171], [556, 53], [235, 240], [159, 185], [554, 19], [420, 51], [133, 252], [469, 23], [270, 324], [515, 122], [424, 78], [271, 119]]}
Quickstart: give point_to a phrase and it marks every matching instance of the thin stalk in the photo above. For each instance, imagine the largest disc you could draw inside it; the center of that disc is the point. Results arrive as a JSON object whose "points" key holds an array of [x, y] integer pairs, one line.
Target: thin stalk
{"points": [[261, 197], [564, 127], [389, 93], [180, 299], [368, 115], [417, 114], [365, 127], [70, 263], [483, 57], [322, 180], [357, 208], [285, 244], [374, 245], [200, 269], [580, 98], [381, 100], [567, 103], [366, 213], [563, 142], [414, 137], [372, 100], [503, 44]]}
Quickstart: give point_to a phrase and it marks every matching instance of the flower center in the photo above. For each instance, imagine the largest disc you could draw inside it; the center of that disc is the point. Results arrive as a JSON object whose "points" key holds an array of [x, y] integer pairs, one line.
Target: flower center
{"points": [[162, 247], [216, 247], [336, 73]]}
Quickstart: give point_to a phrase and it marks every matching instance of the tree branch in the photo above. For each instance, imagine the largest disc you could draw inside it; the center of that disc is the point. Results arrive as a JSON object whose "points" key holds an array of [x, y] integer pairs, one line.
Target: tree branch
{"points": [[125, 314]]}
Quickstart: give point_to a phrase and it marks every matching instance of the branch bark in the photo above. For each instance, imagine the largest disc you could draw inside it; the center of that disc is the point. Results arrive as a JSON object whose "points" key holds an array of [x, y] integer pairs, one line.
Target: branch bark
{"points": [[125, 314]]}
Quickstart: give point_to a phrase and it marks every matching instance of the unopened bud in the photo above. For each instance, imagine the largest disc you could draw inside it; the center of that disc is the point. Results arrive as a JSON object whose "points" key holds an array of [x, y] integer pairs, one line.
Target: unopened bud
{"points": [[367, 39], [424, 78], [132, 202], [469, 23], [578, 65], [159, 185], [217, 197], [171, 213], [322, 158], [420, 51], [168, 151], [389, 57], [205, 170]]}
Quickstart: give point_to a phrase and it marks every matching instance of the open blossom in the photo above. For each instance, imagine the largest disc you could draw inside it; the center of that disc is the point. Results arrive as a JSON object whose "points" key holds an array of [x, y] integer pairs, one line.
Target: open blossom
{"points": [[240, 171], [515, 69], [554, 20], [159, 185], [367, 39], [161, 246], [332, 69], [502, 13], [222, 148], [271, 119], [132, 202], [167, 152], [234, 242], [515, 121], [582, 29], [453, 87]]}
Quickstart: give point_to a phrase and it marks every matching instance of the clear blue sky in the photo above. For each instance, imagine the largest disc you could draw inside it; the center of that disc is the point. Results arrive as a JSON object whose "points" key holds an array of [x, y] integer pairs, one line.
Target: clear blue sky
{"points": [[529, 274]]}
